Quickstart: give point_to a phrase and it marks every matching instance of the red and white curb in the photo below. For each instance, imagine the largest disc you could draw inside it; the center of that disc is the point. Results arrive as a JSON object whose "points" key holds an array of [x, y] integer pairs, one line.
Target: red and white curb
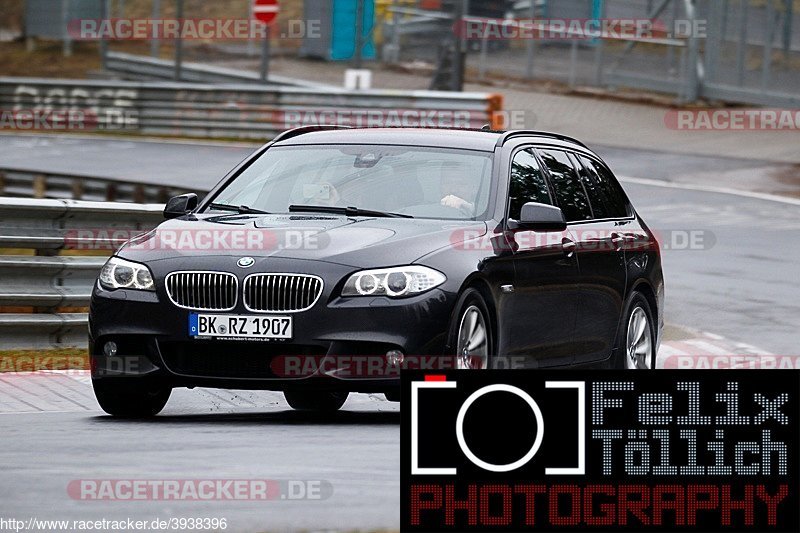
{"points": [[709, 351]]}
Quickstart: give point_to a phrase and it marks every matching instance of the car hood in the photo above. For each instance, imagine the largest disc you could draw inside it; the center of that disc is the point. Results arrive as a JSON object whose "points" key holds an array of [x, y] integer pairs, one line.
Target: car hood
{"points": [[353, 241]]}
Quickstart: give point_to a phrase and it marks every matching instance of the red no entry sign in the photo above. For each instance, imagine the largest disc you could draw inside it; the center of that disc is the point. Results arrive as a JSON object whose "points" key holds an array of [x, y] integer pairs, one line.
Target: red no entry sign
{"points": [[266, 11]]}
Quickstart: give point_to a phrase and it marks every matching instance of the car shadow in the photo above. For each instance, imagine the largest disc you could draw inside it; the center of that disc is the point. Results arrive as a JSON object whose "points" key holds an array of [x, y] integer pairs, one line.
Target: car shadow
{"points": [[287, 417]]}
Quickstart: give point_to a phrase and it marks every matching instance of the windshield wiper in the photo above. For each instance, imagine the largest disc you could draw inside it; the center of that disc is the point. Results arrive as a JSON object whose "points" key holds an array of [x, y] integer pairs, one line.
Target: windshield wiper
{"points": [[347, 211], [240, 209]]}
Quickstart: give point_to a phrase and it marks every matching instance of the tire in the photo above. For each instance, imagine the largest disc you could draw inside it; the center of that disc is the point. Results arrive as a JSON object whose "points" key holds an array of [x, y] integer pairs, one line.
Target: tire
{"points": [[464, 332], [636, 348], [393, 396], [320, 401], [126, 400]]}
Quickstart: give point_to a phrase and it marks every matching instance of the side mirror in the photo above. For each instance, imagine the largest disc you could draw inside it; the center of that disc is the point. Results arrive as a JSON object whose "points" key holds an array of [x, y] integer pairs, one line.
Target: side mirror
{"points": [[541, 217], [178, 206]]}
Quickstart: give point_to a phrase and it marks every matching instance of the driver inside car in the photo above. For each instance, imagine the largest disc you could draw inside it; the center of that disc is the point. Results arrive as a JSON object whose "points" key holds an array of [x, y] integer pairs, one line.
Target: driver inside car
{"points": [[458, 186]]}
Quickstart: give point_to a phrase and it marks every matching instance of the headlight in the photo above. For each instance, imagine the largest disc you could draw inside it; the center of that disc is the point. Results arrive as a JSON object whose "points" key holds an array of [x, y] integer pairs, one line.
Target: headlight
{"points": [[121, 274], [394, 282]]}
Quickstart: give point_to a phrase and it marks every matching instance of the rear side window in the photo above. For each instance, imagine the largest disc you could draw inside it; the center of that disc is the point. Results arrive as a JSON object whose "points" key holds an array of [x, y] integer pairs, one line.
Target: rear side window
{"points": [[608, 200], [569, 192], [527, 183]]}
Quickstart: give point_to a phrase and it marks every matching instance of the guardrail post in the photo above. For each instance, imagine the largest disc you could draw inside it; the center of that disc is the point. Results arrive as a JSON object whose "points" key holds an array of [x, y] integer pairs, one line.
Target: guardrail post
{"points": [[2, 183], [111, 192], [39, 186], [163, 195], [77, 189], [138, 194]]}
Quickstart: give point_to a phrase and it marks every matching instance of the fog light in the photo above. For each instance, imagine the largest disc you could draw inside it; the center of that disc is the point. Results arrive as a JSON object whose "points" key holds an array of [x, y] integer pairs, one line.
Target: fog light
{"points": [[394, 357], [110, 349]]}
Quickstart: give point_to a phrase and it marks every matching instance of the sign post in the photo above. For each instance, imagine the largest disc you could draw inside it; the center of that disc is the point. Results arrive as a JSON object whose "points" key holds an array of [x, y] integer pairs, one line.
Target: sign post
{"points": [[266, 12]]}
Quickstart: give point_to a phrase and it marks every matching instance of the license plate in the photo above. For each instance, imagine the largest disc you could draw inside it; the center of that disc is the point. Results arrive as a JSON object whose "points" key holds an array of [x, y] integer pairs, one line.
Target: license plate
{"points": [[240, 327]]}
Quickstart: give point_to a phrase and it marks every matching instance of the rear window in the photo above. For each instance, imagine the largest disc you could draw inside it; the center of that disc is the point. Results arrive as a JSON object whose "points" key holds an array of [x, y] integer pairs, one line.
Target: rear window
{"points": [[605, 194]]}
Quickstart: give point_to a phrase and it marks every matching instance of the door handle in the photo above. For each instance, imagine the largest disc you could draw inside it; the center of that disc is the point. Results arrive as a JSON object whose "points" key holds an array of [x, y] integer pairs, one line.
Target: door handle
{"points": [[568, 247], [618, 240]]}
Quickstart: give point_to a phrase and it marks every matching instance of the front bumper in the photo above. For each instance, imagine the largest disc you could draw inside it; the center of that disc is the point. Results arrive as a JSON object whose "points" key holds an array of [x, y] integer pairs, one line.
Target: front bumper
{"points": [[339, 344]]}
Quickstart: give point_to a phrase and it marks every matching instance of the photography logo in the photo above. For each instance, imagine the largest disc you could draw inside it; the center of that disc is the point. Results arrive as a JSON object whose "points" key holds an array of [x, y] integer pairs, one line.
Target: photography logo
{"points": [[580, 451]]}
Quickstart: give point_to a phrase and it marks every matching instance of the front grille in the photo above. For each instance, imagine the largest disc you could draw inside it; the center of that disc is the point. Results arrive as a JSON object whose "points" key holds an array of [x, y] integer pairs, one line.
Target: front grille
{"points": [[281, 292], [206, 291]]}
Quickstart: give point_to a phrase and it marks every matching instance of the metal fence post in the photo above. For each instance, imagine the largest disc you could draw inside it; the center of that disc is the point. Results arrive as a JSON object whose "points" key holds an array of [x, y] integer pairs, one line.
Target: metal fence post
{"points": [[67, 42], [573, 63], [769, 37], [179, 41], [787, 25], [155, 44], [457, 79], [104, 6], [741, 47], [359, 44], [484, 51], [531, 45], [692, 90], [714, 40], [265, 52]]}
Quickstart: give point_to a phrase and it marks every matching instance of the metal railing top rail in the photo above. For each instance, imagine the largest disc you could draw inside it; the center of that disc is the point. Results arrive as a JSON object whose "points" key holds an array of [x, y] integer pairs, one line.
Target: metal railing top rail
{"points": [[434, 96], [34, 183], [72, 209], [155, 68]]}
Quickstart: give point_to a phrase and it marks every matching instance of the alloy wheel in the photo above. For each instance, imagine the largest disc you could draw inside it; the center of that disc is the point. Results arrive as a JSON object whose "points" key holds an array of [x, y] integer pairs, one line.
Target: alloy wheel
{"points": [[473, 343], [639, 344]]}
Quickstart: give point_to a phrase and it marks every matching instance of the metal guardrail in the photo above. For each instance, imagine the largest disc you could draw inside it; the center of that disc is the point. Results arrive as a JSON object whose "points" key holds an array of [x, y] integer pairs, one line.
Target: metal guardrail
{"points": [[31, 184], [43, 293], [242, 111]]}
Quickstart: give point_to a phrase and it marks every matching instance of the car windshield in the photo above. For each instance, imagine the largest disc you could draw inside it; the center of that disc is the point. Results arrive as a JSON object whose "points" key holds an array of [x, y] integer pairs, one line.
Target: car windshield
{"points": [[400, 180]]}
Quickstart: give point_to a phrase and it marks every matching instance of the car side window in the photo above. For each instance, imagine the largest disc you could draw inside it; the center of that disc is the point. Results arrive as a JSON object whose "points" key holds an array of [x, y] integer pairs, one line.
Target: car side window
{"points": [[569, 192], [606, 187], [527, 183], [591, 184]]}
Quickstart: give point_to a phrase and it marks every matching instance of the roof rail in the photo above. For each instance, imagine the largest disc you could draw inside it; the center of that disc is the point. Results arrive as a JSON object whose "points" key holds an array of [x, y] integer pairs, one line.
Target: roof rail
{"points": [[515, 133], [295, 132]]}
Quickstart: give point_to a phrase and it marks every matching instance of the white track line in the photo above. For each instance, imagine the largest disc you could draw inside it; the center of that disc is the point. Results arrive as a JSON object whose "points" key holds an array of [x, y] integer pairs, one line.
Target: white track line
{"points": [[717, 190]]}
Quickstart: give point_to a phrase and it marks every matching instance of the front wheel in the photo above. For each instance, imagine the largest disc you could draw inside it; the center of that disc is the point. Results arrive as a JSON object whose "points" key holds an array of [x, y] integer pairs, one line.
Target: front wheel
{"points": [[636, 347], [130, 400], [471, 332], [321, 401]]}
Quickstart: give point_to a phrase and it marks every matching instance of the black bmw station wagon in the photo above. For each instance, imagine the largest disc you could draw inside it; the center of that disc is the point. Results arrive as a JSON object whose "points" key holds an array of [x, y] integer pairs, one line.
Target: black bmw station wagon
{"points": [[397, 246]]}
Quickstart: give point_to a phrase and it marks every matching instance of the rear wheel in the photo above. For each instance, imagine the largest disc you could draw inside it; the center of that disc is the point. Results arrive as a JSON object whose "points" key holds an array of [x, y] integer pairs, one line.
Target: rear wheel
{"points": [[322, 401], [130, 400], [471, 332], [636, 347]]}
